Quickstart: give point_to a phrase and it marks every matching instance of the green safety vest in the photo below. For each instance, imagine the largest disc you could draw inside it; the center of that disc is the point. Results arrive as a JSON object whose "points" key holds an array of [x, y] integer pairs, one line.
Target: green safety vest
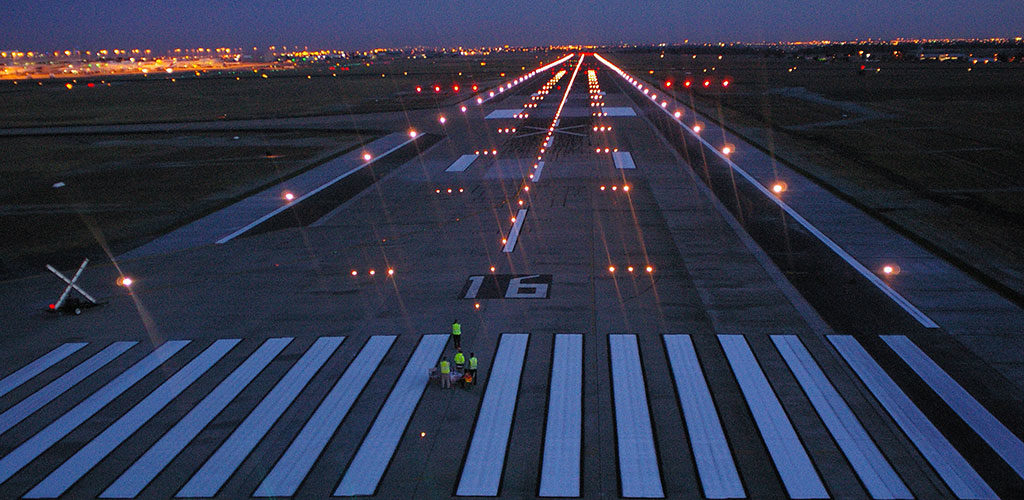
{"points": [[456, 329], [472, 363], [460, 359], [445, 367]]}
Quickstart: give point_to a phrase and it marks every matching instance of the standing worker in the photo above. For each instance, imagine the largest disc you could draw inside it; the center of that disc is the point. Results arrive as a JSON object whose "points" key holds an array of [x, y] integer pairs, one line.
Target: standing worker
{"points": [[457, 334], [472, 367], [446, 374]]}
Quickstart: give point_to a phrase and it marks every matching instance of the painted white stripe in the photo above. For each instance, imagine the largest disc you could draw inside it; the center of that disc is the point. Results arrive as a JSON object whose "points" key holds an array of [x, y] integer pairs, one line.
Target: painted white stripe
{"points": [[560, 470], [614, 111], [838, 250], [91, 454], [537, 171], [948, 463], [500, 114], [639, 473], [513, 234], [788, 453], [623, 160], [368, 466], [1001, 439], [323, 186], [139, 475], [867, 461], [284, 479], [481, 473], [462, 163], [61, 427], [40, 398], [12, 381], [219, 467], [718, 474]]}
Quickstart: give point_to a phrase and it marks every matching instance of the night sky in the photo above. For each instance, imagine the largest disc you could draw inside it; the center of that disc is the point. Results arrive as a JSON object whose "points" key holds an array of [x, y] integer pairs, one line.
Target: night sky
{"points": [[162, 24]]}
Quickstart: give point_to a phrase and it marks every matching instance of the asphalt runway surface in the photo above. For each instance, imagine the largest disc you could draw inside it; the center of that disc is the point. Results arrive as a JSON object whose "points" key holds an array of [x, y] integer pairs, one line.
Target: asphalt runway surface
{"points": [[649, 324]]}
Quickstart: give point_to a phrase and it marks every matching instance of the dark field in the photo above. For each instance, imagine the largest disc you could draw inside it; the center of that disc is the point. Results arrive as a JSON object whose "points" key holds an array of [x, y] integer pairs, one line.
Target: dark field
{"points": [[122, 190], [233, 96], [929, 147]]}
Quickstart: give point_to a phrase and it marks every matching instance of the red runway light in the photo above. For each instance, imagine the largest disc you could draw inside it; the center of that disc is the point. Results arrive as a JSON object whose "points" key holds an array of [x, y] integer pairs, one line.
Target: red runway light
{"points": [[707, 83], [437, 88], [725, 83], [474, 87], [419, 89], [687, 83], [668, 83], [455, 88]]}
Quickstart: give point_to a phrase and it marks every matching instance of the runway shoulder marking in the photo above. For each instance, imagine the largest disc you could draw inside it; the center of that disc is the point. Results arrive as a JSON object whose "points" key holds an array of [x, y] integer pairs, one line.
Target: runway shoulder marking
{"points": [[944, 458], [216, 471], [485, 460], [44, 439], [371, 460], [96, 450], [142, 472], [718, 474], [1001, 439], [462, 163], [286, 476], [784, 446], [560, 467], [623, 160], [26, 373], [639, 474], [868, 462]]}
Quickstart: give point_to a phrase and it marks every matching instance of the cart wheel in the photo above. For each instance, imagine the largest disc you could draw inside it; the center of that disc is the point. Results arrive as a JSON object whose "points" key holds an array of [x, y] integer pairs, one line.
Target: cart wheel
{"points": [[78, 310]]}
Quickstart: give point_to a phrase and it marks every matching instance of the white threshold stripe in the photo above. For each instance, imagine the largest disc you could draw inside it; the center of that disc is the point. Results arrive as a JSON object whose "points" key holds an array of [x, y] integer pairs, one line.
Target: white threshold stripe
{"points": [[784, 446], [15, 414], [156, 458], [44, 439], [948, 463], [537, 171], [639, 474], [481, 474], [286, 476], [304, 196], [27, 372], [1001, 439], [718, 474], [901, 301], [623, 160], [867, 461], [371, 460], [513, 234], [219, 467], [462, 163], [560, 469], [58, 482]]}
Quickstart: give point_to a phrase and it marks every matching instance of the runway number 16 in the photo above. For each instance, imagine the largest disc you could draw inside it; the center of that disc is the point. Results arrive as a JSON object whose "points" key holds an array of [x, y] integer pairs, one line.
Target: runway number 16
{"points": [[507, 286]]}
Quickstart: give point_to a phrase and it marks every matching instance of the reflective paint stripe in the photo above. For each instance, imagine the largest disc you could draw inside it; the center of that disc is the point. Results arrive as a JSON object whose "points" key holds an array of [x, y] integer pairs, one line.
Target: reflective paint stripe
{"points": [[513, 234], [12, 381], [623, 160], [501, 114], [481, 473], [284, 479], [303, 197], [462, 163], [788, 453], [901, 301], [639, 474], [135, 479], [371, 460], [227, 458], [58, 482], [718, 474], [67, 422], [536, 173], [621, 111], [40, 398], [560, 470], [948, 463], [871, 466], [1001, 439]]}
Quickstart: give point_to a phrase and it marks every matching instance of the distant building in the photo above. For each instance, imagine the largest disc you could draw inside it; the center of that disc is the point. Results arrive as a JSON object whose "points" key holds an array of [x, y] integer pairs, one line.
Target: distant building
{"points": [[933, 55]]}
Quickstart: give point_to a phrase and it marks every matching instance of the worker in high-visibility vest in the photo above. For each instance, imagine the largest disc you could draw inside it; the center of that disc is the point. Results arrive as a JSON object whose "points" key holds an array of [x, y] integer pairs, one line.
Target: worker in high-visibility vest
{"points": [[472, 368], [446, 374], [456, 334], [460, 360]]}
